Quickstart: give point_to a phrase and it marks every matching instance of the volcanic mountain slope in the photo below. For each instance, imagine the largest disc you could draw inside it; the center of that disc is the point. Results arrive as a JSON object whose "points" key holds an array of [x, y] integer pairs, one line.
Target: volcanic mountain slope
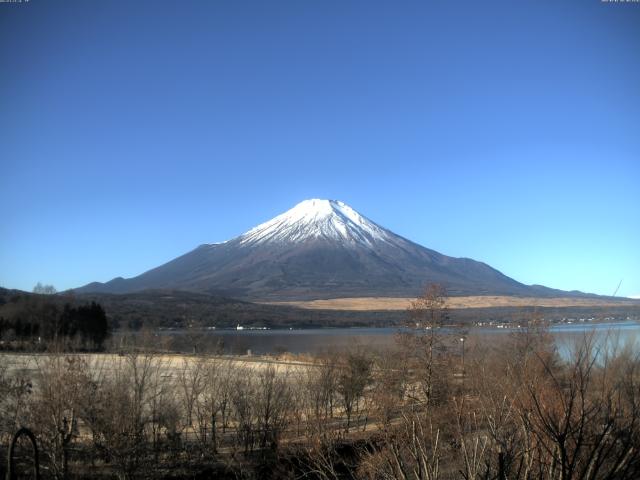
{"points": [[320, 249]]}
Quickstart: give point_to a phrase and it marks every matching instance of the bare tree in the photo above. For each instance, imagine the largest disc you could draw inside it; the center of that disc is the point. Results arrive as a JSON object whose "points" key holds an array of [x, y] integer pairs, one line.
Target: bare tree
{"points": [[44, 289], [273, 405], [429, 309], [121, 411], [243, 394], [353, 378], [586, 417], [15, 389], [427, 313], [411, 450], [61, 382], [191, 384], [164, 414], [321, 387], [390, 385], [472, 439], [212, 404]]}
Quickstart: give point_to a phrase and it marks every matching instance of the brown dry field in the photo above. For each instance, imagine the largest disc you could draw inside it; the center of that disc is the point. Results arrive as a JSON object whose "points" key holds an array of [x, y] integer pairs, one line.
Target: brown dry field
{"points": [[170, 365], [381, 303]]}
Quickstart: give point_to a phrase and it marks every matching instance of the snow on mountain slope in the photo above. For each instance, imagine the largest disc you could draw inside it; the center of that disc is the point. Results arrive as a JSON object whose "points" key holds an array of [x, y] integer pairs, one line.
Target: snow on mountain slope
{"points": [[318, 219], [319, 249]]}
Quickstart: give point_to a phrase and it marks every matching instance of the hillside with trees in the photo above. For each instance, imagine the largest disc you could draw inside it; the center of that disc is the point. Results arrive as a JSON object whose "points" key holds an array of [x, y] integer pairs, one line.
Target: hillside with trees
{"points": [[33, 321]]}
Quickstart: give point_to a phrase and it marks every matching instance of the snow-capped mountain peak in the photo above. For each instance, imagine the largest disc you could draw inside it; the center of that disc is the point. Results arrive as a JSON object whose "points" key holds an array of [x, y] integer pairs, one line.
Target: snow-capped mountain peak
{"points": [[318, 219], [319, 249]]}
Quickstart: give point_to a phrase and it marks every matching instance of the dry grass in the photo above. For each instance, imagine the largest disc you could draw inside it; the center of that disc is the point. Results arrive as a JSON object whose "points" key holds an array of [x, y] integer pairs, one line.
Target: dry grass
{"points": [[170, 364], [381, 303]]}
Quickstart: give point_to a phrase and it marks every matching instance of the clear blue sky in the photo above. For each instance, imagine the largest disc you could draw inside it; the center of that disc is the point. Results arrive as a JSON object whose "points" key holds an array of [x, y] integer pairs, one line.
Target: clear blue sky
{"points": [[504, 131]]}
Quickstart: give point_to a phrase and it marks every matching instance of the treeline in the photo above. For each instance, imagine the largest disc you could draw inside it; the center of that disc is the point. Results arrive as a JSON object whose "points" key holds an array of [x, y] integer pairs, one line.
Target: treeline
{"points": [[424, 411], [28, 321], [180, 309]]}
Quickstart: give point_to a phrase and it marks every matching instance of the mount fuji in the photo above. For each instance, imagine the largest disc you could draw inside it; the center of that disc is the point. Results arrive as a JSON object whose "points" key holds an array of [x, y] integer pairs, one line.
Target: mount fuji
{"points": [[320, 249]]}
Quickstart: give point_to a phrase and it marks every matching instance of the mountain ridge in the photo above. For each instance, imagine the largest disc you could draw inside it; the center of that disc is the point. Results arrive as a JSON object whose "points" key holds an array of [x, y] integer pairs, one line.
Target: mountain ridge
{"points": [[321, 249]]}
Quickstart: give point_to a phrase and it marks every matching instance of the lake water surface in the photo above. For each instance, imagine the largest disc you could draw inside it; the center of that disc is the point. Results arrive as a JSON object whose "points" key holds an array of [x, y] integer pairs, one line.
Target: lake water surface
{"points": [[323, 339]]}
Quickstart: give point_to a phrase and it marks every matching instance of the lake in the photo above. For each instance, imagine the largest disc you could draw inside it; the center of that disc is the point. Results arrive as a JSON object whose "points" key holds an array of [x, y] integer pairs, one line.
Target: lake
{"points": [[317, 340]]}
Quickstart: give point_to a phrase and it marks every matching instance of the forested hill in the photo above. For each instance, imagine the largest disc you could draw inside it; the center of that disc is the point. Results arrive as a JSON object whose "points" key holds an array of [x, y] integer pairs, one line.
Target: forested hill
{"points": [[179, 309], [34, 319]]}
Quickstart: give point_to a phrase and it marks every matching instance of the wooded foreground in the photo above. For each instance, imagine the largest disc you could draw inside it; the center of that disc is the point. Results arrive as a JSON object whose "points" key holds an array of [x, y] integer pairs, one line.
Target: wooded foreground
{"points": [[434, 407]]}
